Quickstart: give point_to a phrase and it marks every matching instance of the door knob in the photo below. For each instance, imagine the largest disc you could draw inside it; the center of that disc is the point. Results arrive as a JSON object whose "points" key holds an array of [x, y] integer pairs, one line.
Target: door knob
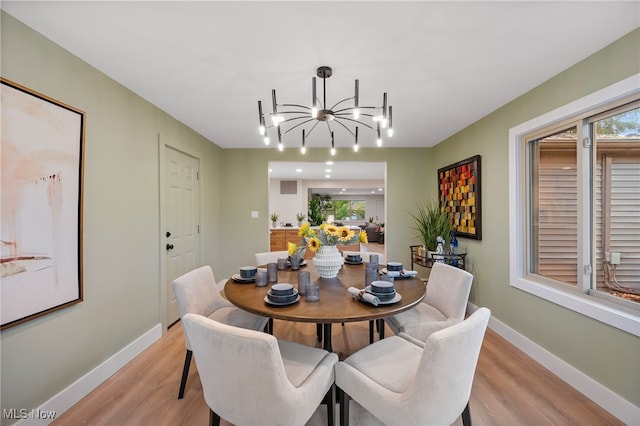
{"points": [[168, 234], [169, 246]]}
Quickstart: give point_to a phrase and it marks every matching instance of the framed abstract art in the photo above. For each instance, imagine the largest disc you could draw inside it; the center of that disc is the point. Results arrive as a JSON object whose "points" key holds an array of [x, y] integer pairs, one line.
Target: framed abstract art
{"points": [[41, 236], [459, 196]]}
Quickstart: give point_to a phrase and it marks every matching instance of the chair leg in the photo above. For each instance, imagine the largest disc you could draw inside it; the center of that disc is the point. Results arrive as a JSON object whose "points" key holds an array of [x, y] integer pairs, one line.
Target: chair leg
{"points": [[371, 330], [466, 415], [331, 405], [319, 331], [344, 407], [268, 328], [185, 373], [380, 323], [214, 419]]}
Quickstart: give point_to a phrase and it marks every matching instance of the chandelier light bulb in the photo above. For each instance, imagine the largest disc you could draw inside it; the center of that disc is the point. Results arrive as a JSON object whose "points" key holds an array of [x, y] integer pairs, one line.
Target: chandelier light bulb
{"points": [[280, 146], [356, 114], [303, 150], [333, 151], [314, 112], [262, 130], [383, 123], [355, 147], [266, 140], [390, 132], [379, 142]]}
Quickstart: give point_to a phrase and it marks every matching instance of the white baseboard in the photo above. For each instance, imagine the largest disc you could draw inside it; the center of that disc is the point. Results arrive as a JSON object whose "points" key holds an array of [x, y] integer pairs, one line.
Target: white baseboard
{"points": [[624, 410], [85, 384]]}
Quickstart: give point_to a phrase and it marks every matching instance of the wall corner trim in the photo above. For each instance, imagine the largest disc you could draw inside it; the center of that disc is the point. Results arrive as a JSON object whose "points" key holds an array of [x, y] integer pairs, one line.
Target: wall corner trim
{"points": [[73, 393], [604, 397]]}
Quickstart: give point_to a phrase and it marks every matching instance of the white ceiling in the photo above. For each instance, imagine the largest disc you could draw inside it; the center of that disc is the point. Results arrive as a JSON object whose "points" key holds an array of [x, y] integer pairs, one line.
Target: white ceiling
{"points": [[444, 64]]}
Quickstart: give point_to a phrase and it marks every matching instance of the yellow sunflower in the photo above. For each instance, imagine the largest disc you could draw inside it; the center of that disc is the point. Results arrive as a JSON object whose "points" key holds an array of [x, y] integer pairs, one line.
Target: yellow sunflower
{"points": [[291, 248], [314, 244], [332, 230], [304, 229], [363, 237], [345, 234]]}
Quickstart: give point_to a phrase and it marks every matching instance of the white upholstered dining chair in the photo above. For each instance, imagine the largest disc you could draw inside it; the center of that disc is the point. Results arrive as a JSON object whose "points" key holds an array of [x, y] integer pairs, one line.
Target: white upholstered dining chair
{"points": [[400, 383], [444, 304], [197, 292], [252, 378], [270, 257]]}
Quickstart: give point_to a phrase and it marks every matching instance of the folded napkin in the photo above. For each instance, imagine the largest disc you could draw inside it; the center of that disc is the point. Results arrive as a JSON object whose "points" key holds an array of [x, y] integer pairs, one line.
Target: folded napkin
{"points": [[403, 274], [363, 295]]}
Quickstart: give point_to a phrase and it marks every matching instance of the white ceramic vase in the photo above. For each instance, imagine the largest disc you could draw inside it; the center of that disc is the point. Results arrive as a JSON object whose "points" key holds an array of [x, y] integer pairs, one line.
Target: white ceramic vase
{"points": [[328, 261]]}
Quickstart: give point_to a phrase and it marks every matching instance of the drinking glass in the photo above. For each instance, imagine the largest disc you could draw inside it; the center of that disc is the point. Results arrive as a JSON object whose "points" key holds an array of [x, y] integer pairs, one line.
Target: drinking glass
{"points": [[304, 279], [261, 277], [272, 272]]}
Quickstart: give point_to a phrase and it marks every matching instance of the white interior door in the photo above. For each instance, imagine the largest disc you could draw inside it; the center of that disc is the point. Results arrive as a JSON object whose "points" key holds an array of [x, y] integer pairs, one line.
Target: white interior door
{"points": [[182, 232]]}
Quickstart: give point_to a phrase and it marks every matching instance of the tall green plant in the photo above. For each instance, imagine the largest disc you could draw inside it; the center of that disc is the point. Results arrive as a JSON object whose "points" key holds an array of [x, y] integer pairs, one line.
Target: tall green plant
{"points": [[430, 223], [317, 208]]}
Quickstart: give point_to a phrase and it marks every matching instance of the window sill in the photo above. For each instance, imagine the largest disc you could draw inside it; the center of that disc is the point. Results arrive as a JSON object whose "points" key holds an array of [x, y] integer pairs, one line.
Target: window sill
{"points": [[590, 306]]}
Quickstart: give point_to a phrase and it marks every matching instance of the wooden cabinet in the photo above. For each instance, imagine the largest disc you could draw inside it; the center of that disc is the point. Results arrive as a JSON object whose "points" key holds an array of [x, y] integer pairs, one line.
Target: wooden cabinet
{"points": [[280, 237]]}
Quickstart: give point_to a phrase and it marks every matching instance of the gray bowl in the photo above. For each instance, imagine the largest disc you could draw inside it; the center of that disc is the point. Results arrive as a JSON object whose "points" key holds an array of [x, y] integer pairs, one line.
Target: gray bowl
{"points": [[282, 299], [394, 266], [248, 272], [382, 287], [283, 289]]}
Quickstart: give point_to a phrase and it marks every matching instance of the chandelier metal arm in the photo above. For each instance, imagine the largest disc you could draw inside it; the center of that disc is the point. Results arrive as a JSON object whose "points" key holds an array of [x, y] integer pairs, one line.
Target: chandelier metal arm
{"points": [[338, 119], [299, 124], [338, 103]]}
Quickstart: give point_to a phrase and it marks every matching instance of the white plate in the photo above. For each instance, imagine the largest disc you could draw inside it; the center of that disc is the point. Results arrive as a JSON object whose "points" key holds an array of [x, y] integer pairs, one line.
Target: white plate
{"points": [[271, 302], [303, 263], [237, 278], [395, 299]]}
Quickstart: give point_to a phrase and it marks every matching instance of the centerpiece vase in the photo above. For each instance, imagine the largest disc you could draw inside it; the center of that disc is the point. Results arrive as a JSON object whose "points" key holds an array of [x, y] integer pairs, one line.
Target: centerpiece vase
{"points": [[328, 261]]}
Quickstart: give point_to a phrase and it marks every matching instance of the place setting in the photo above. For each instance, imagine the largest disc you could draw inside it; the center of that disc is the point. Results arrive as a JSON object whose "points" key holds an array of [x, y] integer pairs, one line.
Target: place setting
{"points": [[247, 275], [282, 294], [353, 259], [396, 270], [378, 293]]}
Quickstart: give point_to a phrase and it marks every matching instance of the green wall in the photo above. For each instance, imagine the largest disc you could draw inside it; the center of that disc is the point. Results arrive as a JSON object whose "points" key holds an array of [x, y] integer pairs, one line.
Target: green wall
{"points": [[122, 239], [121, 234], [606, 354]]}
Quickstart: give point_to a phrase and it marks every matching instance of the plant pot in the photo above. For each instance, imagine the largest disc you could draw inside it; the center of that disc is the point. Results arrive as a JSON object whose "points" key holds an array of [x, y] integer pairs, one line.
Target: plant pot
{"points": [[328, 261]]}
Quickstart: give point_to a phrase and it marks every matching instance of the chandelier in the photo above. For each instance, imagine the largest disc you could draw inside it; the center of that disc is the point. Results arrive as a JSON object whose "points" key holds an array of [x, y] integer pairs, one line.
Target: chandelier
{"points": [[286, 118]]}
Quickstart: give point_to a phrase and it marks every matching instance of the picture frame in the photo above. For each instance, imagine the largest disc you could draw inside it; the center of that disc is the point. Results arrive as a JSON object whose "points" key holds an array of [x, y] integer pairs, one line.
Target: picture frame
{"points": [[459, 196], [42, 149]]}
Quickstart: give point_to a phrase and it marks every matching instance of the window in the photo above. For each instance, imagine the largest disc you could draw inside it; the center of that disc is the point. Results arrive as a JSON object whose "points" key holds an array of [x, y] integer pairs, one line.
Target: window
{"points": [[343, 210], [575, 206]]}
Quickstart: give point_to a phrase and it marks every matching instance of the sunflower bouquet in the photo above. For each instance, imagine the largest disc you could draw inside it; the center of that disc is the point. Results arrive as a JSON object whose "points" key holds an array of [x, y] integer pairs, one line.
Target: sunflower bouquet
{"points": [[329, 235]]}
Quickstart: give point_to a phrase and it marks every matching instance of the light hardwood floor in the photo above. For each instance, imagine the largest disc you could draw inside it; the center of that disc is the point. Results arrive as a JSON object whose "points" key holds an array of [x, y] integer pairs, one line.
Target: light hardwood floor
{"points": [[509, 387]]}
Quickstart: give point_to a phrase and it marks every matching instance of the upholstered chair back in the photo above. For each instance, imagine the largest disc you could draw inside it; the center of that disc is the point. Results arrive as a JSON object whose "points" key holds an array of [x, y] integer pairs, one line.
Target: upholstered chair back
{"points": [[448, 290], [243, 374], [197, 292]]}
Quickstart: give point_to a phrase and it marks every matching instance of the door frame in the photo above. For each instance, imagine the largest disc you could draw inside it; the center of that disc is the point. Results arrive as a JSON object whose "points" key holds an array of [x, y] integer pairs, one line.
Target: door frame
{"points": [[162, 181]]}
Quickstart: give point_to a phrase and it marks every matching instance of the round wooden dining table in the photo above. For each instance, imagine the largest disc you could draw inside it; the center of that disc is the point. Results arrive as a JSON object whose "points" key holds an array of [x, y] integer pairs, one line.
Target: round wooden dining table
{"points": [[336, 305]]}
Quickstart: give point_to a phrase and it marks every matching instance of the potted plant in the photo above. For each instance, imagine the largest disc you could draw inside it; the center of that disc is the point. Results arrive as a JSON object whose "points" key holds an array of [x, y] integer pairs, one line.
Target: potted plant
{"points": [[274, 219], [380, 229], [317, 208], [430, 223], [300, 216]]}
